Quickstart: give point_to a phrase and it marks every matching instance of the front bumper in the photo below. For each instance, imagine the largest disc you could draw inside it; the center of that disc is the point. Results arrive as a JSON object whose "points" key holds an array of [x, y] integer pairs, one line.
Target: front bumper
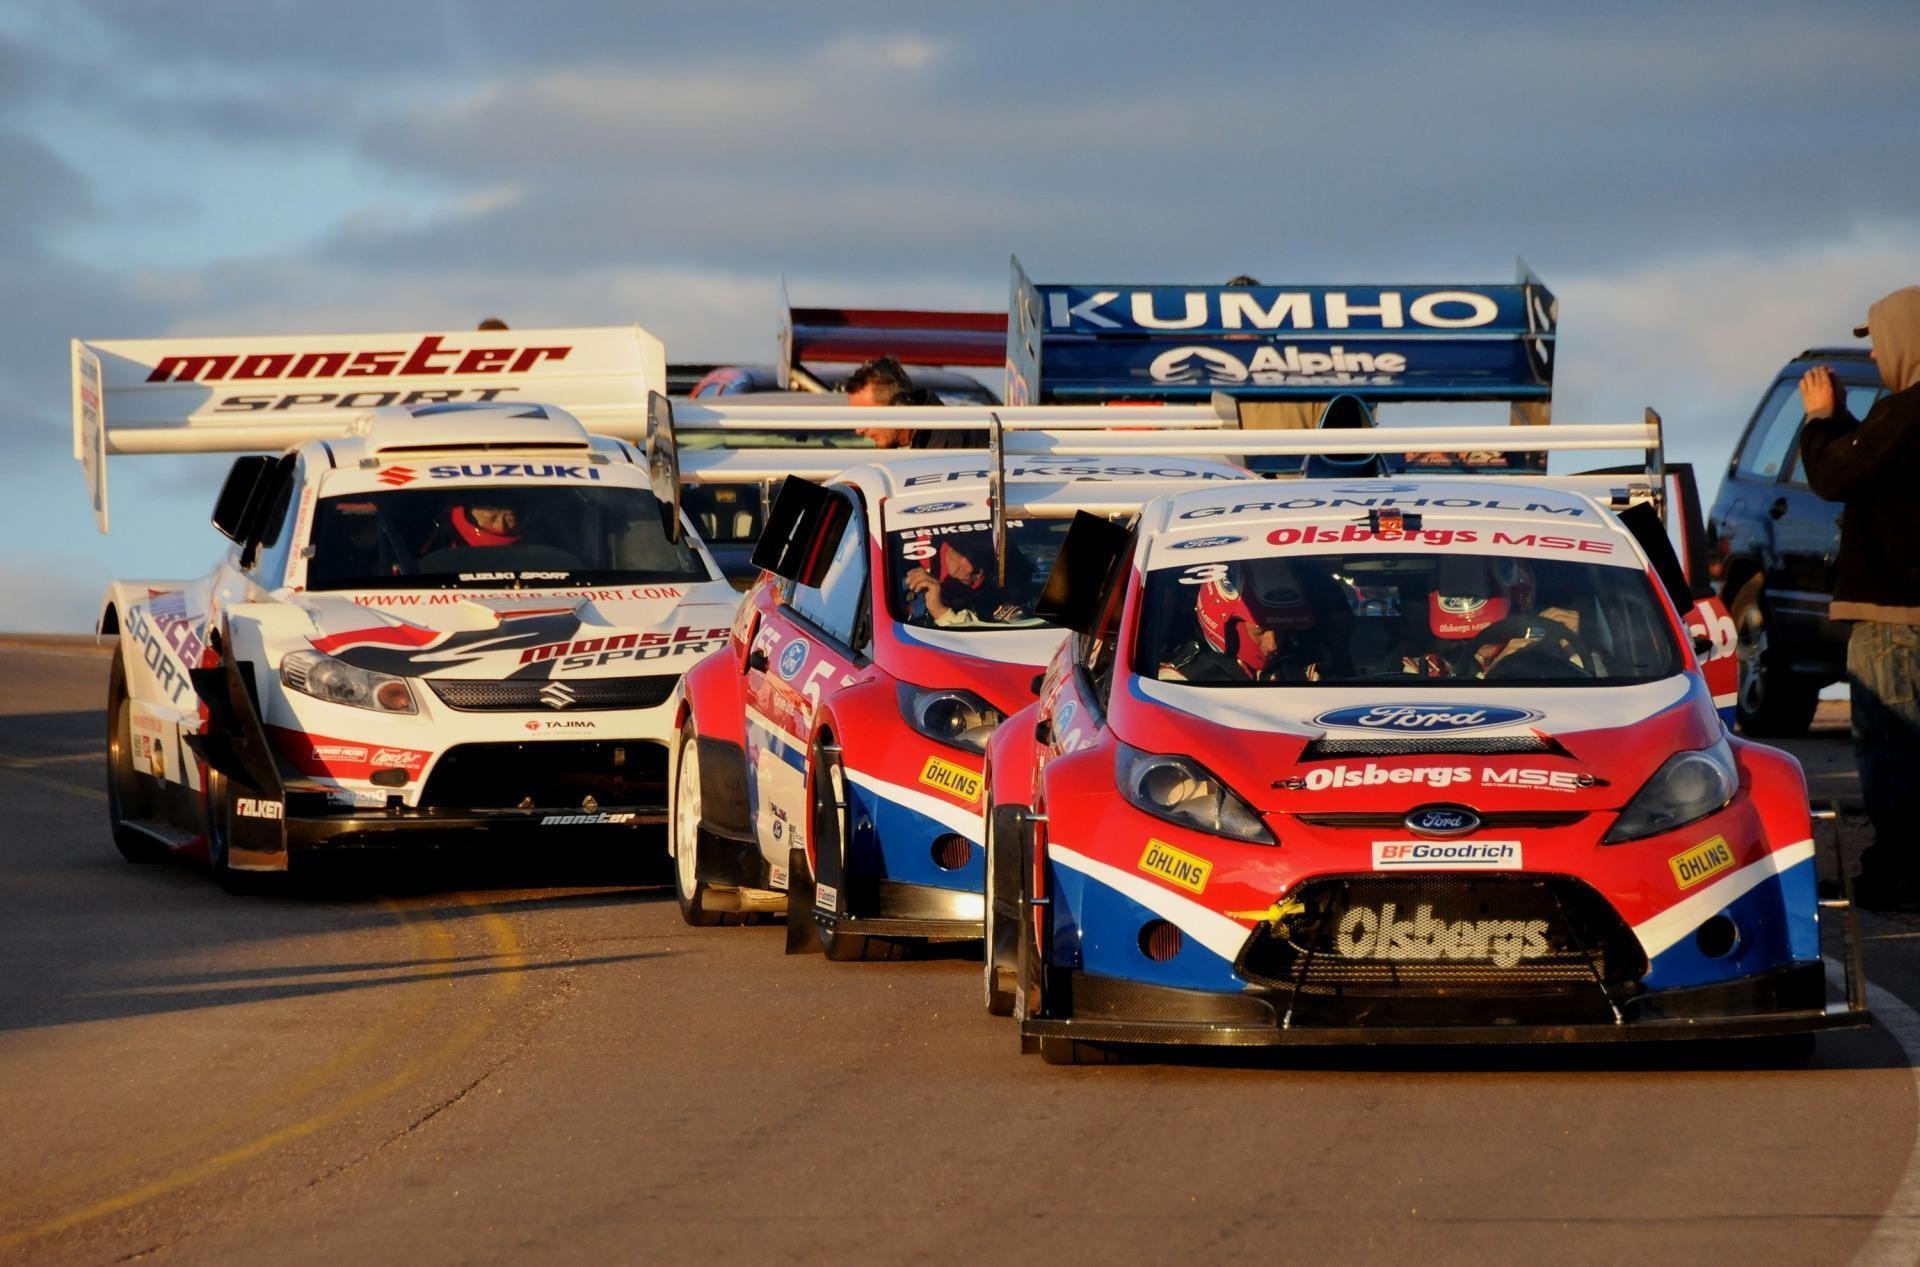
{"points": [[1108, 1010], [417, 828]]}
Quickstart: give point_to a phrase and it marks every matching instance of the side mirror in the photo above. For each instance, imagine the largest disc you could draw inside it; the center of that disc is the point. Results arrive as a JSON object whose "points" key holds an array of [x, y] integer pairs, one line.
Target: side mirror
{"points": [[1702, 645], [1082, 573], [757, 660], [243, 496], [802, 532], [663, 459]]}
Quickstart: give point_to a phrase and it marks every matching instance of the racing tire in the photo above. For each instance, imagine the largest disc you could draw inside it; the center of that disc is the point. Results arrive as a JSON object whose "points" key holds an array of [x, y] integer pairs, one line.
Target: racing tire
{"points": [[1000, 968], [687, 887], [130, 794], [829, 834], [1773, 701], [220, 814]]}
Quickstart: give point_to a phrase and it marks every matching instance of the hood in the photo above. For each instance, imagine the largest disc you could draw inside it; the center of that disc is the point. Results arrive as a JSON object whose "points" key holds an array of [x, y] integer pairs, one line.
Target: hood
{"points": [[1893, 323], [998, 664], [1305, 750], [616, 632]]}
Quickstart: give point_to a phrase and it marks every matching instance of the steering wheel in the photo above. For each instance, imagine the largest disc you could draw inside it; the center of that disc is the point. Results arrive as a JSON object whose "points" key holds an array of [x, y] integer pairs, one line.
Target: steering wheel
{"points": [[1552, 644]]}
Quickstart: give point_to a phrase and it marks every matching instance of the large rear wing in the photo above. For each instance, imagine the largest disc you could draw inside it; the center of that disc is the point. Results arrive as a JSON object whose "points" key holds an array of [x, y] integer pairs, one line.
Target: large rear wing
{"points": [[214, 394], [911, 336], [1073, 343]]}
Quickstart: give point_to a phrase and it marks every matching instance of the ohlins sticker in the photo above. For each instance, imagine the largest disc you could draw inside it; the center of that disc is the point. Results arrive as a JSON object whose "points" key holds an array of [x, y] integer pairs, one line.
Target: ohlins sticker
{"points": [[1702, 862], [1176, 866], [1424, 718], [1366, 932], [1446, 855], [954, 780]]}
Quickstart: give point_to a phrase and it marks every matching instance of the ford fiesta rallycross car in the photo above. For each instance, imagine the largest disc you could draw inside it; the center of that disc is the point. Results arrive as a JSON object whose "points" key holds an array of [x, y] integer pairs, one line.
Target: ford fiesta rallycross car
{"points": [[446, 620], [833, 749], [1390, 762]]}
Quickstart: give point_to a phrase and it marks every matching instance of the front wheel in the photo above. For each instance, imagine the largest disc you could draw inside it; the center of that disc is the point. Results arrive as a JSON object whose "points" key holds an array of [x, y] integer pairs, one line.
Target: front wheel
{"points": [[130, 793], [1000, 967], [829, 835], [687, 887]]}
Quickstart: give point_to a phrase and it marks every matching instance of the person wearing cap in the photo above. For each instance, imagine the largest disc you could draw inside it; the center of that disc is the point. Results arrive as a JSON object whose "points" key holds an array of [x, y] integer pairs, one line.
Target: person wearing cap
{"points": [[1868, 465]]}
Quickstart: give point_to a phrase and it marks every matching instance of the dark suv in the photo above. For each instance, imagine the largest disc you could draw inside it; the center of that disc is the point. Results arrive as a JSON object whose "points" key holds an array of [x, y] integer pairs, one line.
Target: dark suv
{"points": [[1773, 545]]}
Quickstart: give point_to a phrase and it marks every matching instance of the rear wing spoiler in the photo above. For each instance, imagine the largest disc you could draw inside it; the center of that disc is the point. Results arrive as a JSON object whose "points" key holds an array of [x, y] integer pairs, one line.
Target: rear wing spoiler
{"points": [[211, 394], [1073, 343], [911, 336]]}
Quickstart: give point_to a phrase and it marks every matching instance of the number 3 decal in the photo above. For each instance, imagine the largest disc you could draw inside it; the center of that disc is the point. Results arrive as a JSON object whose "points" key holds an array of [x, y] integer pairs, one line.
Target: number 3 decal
{"points": [[1203, 574]]}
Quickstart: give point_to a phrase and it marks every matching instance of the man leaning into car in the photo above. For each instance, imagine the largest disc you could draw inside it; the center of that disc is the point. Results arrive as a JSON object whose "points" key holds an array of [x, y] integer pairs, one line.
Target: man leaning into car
{"points": [[1869, 464]]}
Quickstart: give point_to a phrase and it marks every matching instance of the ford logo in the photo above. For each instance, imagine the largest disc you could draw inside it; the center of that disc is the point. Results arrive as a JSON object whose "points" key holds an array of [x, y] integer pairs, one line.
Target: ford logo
{"points": [[932, 508], [1442, 820], [1205, 543], [1424, 719], [793, 656]]}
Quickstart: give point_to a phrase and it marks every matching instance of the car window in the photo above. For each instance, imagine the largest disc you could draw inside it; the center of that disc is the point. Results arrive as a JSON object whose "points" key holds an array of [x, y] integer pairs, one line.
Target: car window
{"points": [[266, 555], [948, 576], [835, 604], [1860, 398], [1770, 444]]}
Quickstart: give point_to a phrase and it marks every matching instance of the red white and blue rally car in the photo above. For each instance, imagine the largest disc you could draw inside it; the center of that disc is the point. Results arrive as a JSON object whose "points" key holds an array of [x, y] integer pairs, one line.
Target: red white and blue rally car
{"points": [[447, 612], [1410, 760], [833, 749]]}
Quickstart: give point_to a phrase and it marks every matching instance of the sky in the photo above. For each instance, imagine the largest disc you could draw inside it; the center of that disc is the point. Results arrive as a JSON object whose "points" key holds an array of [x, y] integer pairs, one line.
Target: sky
{"points": [[1708, 188]]}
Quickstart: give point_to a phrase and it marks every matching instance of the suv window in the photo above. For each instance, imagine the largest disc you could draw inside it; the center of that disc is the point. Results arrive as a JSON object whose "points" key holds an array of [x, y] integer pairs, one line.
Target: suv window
{"points": [[1860, 398], [1769, 445], [836, 604]]}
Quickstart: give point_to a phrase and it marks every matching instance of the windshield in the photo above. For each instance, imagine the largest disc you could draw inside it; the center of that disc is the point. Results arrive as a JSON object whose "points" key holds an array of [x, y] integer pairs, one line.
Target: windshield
{"points": [[1404, 617], [493, 537], [945, 575]]}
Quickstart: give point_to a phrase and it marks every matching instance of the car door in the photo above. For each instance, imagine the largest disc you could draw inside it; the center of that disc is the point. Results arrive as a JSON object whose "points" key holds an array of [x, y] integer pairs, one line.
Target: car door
{"points": [[809, 645]]}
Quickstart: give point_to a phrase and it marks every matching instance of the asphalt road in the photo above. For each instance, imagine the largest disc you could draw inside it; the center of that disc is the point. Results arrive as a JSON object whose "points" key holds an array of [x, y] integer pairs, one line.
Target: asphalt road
{"points": [[477, 1063]]}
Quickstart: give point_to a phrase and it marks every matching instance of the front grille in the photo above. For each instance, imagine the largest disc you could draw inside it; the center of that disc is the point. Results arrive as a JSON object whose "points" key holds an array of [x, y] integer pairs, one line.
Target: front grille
{"points": [[1504, 820], [559, 775], [524, 695], [1386, 746], [1445, 936]]}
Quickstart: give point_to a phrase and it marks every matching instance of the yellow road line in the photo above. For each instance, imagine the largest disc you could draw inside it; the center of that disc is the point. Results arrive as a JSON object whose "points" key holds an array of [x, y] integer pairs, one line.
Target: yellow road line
{"points": [[94, 793], [506, 984]]}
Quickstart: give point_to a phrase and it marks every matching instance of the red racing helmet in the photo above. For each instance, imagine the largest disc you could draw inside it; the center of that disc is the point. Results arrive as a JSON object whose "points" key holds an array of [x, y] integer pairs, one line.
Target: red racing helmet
{"points": [[1279, 607]]}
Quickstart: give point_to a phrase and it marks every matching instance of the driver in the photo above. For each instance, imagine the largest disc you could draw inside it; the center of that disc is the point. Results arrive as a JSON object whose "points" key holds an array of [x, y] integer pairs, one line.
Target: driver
{"points": [[1483, 611], [1247, 633], [955, 587], [482, 520]]}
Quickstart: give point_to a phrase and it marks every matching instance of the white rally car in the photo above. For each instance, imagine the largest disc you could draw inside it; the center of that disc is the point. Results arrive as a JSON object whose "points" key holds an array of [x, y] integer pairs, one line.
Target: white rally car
{"points": [[444, 614]]}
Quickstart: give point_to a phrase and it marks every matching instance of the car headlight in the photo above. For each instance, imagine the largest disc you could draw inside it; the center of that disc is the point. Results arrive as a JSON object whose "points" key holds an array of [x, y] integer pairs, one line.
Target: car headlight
{"points": [[337, 682], [1688, 785], [957, 718], [1181, 790]]}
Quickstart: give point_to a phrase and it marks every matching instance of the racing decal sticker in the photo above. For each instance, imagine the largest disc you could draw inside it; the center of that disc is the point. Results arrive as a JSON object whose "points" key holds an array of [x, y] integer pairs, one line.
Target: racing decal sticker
{"points": [[1371, 502], [1702, 862], [1424, 718], [1446, 855], [331, 758], [1205, 543], [1439, 778], [1379, 933], [585, 820], [793, 657], [259, 807], [826, 898], [933, 508], [1175, 866], [955, 780]]}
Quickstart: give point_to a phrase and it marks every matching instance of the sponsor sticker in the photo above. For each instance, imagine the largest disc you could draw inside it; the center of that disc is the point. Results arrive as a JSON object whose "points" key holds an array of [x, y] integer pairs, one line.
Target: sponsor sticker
{"points": [[1442, 820], [340, 752], [584, 820], [954, 780], [1702, 862], [1379, 933], [1176, 866], [793, 656], [259, 807], [826, 897], [1206, 543], [1425, 719], [1446, 855], [933, 508]]}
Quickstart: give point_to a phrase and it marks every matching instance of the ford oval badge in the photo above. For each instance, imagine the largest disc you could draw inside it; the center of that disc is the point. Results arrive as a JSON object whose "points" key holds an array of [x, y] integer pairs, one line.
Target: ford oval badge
{"points": [[1442, 820]]}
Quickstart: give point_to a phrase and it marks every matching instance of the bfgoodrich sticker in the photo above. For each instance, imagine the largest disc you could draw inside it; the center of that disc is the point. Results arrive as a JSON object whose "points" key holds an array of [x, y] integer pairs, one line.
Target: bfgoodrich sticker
{"points": [[1446, 855]]}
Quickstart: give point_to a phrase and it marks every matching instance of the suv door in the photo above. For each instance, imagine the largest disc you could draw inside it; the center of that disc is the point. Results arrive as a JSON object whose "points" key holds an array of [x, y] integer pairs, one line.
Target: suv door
{"points": [[1806, 543]]}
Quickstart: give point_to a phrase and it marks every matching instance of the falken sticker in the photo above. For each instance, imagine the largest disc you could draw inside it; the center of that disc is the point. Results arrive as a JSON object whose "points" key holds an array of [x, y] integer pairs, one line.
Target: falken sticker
{"points": [[954, 780], [1424, 719], [258, 807], [1446, 855], [1702, 862], [793, 657], [1176, 866]]}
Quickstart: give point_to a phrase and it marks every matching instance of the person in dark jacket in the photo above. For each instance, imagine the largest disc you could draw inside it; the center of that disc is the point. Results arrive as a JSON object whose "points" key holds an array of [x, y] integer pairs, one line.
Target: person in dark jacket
{"points": [[1869, 465]]}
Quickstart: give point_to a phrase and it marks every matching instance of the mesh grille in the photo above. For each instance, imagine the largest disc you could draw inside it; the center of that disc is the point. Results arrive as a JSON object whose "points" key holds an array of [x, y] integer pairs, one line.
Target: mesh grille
{"points": [[552, 775], [1504, 820], [541, 694], [1385, 747], [1446, 936]]}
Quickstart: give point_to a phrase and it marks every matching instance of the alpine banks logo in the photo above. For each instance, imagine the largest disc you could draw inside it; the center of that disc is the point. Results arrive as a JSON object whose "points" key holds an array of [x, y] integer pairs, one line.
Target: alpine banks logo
{"points": [[1275, 367], [1425, 719]]}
